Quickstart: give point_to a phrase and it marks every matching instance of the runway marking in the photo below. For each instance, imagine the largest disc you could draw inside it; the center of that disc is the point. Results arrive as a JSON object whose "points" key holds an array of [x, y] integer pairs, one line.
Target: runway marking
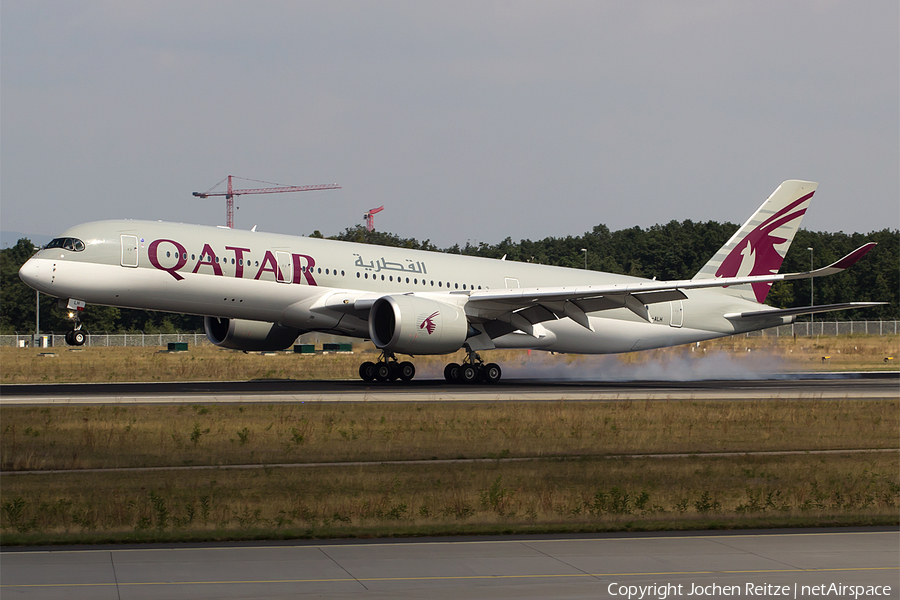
{"points": [[448, 577]]}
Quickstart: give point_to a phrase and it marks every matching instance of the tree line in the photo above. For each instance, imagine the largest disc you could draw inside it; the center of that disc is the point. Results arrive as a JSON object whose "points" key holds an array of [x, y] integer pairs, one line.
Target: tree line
{"points": [[676, 250]]}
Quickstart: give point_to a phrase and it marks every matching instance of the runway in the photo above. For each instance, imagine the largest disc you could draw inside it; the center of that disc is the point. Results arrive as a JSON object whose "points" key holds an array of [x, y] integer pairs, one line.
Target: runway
{"points": [[811, 386], [682, 565]]}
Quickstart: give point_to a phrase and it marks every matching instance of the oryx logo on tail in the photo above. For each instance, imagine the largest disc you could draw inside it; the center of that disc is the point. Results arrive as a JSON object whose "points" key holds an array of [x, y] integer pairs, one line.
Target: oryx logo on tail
{"points": [[761, 252], [428, 322], [759, 246]]}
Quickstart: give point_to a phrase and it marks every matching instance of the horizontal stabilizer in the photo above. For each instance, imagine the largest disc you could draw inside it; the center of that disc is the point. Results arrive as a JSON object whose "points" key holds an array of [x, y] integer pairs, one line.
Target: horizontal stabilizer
{"points": [[803, 310]]}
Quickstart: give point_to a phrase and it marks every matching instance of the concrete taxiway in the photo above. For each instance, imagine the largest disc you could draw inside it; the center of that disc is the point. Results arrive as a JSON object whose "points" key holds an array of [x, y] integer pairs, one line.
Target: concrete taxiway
{"points": [[728, 564], [824, 386]]}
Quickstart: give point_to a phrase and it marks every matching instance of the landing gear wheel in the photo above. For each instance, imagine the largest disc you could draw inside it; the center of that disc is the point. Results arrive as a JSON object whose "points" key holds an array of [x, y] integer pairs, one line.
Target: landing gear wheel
{"points": [[69, 338], [387, 369], [406, 370], [383, 372], [367, 371], [468, 374], [451, 372], [491, 372], [76, 337], [395, 370]]}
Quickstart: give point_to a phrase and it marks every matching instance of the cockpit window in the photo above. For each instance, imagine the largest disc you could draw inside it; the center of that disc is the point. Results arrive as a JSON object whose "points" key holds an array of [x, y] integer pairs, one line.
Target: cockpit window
{"points": [[73, 244]]}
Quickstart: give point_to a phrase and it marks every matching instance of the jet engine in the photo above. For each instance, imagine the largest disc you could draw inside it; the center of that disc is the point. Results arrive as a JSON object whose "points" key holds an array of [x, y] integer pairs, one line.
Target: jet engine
{"points": [[239, 334], [414, 325]]}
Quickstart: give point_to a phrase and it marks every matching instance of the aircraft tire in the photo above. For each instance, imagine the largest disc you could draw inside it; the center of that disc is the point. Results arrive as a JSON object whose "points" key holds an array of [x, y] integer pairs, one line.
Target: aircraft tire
{"points": [[367, 371], [451, 372], [69, 338], [491, 372], [78, 337], [468, 374], [382, 372], [394, 370], [407, 370]]}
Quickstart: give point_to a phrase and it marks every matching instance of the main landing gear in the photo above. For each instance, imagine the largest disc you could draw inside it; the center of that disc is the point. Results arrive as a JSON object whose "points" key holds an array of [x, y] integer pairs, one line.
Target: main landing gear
{"points": [[472, 370], [387, 369]]}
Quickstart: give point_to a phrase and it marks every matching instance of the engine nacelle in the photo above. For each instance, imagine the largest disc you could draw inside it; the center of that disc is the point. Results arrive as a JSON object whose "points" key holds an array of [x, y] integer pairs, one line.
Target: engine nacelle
{"points": [[258, 336], [416, 325]]}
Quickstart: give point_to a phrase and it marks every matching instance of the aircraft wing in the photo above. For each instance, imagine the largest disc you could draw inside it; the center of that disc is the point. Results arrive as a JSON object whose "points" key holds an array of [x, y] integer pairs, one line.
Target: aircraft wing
{"points": [[522, 308], [525, 307]]}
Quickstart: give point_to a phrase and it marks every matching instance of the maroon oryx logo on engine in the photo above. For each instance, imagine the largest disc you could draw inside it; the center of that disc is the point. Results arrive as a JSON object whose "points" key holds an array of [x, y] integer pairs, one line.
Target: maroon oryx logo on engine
{"points": [[428, 323]]}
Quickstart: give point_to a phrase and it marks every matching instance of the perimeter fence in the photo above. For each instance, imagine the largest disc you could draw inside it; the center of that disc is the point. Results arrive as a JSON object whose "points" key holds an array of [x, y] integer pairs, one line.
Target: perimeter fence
{"points": [[806, 328], [105, 339]]}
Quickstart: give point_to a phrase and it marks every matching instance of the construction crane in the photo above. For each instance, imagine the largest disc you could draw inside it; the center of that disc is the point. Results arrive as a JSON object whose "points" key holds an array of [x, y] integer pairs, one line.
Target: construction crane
{"points": [[370, 217], [231, 193]]}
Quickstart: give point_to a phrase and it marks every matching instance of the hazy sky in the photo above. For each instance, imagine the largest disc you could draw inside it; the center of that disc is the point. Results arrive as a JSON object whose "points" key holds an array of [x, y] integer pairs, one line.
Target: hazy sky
{"points": [[467, 120]]}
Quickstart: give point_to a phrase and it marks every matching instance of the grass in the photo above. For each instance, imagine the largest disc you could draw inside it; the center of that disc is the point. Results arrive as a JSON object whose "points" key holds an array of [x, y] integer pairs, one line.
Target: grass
{"points": [[429, 499], [206, 363], [578, 481], [83, 437]]}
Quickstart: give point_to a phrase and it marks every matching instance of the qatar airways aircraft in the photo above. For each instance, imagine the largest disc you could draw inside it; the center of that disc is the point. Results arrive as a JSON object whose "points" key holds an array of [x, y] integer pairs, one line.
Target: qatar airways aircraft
{"points": [[259, 291]]}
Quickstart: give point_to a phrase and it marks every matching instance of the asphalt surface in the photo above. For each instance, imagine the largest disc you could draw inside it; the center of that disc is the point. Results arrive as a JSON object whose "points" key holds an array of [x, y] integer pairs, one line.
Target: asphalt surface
{"points": [[772, 563], [877, 385]]}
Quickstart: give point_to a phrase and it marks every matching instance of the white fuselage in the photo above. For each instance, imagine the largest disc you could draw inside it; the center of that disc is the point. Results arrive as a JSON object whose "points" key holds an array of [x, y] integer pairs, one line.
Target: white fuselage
{"points": [[308, 283]]}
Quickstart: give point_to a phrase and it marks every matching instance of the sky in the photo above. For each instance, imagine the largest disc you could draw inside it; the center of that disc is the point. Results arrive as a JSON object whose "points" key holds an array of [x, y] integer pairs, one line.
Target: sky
{"points": [[470, 121]]}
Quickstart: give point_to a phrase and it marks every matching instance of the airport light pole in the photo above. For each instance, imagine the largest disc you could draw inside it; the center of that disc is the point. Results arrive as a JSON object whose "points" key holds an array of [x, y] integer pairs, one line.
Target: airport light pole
{"points": [[812, 316], [585, 258], [37, 307]]}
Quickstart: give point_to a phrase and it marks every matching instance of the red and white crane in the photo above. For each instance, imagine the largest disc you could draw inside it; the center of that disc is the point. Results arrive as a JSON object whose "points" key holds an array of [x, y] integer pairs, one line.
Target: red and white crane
{"points": [[231, 193], [370, 217]]}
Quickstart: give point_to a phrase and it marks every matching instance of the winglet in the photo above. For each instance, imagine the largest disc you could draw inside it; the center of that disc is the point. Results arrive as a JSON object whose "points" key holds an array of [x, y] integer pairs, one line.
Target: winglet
{"points": [[852, 258], [844, 263]]}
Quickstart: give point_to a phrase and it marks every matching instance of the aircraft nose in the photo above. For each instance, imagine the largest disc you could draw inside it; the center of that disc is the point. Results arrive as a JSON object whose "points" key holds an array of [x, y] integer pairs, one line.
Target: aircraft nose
{"points": [[32, 273]]}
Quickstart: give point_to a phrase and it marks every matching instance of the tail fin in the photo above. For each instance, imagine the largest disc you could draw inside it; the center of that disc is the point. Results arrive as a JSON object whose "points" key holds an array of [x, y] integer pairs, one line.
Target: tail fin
{"points": [[759, 246]]}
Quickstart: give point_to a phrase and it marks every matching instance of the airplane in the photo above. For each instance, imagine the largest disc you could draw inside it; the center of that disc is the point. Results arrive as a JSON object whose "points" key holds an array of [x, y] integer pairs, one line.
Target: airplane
{"points": [[260, 291]]}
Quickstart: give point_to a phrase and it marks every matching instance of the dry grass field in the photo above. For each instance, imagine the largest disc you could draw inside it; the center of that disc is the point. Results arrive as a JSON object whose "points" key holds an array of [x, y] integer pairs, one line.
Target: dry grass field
{"points": [[98, 437], [461, 498]]}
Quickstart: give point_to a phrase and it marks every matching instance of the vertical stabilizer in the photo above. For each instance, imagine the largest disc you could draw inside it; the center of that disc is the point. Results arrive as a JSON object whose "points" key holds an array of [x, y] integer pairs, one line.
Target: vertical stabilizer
{"points": [[760, 245]]}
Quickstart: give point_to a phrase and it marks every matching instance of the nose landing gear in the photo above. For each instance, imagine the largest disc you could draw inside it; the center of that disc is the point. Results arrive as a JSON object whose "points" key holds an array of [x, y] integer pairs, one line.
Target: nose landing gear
{"points": [[76, 337]]}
